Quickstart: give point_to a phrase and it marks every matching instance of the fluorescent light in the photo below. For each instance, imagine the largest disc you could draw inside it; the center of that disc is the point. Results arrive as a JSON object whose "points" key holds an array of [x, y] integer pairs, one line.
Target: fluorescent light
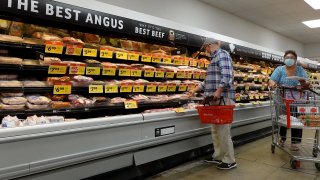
{"points": [[313, 23], [315, 4]]}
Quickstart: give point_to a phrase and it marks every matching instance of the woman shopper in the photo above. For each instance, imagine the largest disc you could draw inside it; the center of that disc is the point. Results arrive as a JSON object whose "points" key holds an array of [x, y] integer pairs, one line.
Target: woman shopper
{"points": [[219, 83], [280, 78]]}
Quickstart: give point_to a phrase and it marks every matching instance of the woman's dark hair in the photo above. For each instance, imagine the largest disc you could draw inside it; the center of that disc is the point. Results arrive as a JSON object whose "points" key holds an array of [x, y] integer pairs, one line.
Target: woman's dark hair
{"points": [[290, 52]]}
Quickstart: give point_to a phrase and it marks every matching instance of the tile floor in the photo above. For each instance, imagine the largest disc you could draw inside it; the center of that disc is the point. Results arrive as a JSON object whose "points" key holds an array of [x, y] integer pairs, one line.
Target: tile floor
{"points": [[255, 161]]}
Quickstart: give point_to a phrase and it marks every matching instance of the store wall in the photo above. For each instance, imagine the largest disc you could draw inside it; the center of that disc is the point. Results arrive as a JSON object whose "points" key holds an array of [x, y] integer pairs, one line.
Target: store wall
{"points": [[198, 14], [312, 51]]}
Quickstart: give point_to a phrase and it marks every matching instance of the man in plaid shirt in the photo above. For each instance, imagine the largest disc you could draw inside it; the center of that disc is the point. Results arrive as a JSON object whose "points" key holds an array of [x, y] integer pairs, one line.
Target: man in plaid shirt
{"points": [[219, 84]]}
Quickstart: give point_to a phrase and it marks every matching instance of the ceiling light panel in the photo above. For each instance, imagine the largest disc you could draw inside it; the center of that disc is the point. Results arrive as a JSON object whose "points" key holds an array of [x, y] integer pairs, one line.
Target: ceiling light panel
{"points": [[313, 23], [315, 4]]}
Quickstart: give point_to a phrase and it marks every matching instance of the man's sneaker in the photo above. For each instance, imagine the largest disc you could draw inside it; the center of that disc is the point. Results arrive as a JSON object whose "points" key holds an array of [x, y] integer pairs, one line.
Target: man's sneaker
{"points": [[226, 166], [211, 160]]}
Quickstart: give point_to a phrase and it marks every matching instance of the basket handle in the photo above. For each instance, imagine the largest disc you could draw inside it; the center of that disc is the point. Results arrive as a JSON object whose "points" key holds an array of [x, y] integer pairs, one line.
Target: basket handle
{"points": [[208, 99]]}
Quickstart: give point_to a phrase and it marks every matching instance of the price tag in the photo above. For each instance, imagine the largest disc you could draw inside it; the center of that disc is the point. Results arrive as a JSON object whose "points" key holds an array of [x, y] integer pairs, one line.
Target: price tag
{"points": [[104, 53], [186, 62], [109, 71], [193, 63], [54, 49], [261, 79], [167, 60], [74, 50], [238, 98], [245, 78], [156, 59], [136, 72], [251, 96], [62, 88], [149, 73], [162, 88], [77, 69], [125, 88], [255, 78], [159, 74], [111, 89], [180, 110], [122, 55], [192, 87], [201, 64], [266, 79], [95, 89], [263, 88], [183, 88], [261, 96], [57, 69], [189, 75], [203, 75], [88, 52], [196, 75], [257, 96], [181, 74], [93, 71], [177, 61], [172, 88], [138, 88], [247, 88], [169, 74], [206, 64], [133, 56], [130, 104], [151, 88], [124, 72], [146, 58]]}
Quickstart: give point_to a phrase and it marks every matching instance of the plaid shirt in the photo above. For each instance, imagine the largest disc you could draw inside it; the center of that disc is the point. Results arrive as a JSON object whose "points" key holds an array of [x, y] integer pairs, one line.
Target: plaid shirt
{"points": [[219, 74]]}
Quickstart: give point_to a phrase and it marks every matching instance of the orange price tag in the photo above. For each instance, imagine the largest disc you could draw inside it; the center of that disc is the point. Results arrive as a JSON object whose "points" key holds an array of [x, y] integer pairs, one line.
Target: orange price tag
{"points": [[74, 50], [78, 69]]}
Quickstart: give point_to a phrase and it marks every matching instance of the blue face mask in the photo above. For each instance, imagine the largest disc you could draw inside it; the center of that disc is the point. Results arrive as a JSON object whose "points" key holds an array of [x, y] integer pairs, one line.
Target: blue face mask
{"points": [[289, 62]]}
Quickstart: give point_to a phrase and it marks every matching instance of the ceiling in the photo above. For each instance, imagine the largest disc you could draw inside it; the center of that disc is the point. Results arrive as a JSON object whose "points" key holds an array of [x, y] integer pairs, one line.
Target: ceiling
{"points": [[281, 16]]}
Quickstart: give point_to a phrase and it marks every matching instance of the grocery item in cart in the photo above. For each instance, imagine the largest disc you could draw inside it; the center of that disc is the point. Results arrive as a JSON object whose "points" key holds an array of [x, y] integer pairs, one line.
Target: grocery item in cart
{"points": [[38, 100], [10, 122], [10, 60], [13, 100]]}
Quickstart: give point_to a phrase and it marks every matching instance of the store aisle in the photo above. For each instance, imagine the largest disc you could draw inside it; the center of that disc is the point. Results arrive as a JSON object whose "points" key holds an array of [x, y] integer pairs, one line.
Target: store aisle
{"points": [[255, 161]]}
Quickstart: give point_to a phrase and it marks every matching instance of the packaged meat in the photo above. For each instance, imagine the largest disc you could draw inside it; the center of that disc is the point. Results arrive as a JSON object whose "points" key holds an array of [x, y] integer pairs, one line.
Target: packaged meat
{"points": [[13, 100], [11, 121], [31, 62], [11, 94], [117, 100], [158, 98], [192, 105], [10, 60], [16, 29], [8, 76], [55, 119], [71, 40], [12, 107], [79, 101], [58, 97], [37, 106], [38, 100], [4, 24], [60, 104], [50, 37], [158, 110], [35, 84], [31, 121], [91, 38], [140, 98], [137, 65], [99, 100], [52, 80], [98, 83], [92, 61], [9, 38], [32, 41], [60, 32], [141, 81], [42, 120], [50, 60], [10, 84], [83, 79]]}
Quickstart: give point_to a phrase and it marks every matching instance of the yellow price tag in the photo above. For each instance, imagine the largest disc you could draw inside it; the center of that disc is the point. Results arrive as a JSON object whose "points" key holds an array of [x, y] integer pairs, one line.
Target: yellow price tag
{"points": [[146, 58], [260, 79], [181, 74], [54, 49], [95, 89], [167, 60], [156, 59], [151, 88], [169, 74], [93, 71], [245, 78], [133, 56], [238, 98], [62, 89], [206, 64], [136, 72], [177, 61], [111, 89], [159, 74], [257, 96], [196, 75], [201, 64], [130, 104], [125, 88], [183, 88], [180, 110], [106, 54], [261, 96], [263, 88], [74, 50], [88, 52], [203, 75], [255, 79], [149, 73], [251, 97], [162, 88], [247, 88], [193, 63], [122, 55], [172, 88], [124, 72], [186, 62], [189, 74], [77, 69], [138, 88], [109, 71], [57, 69]]}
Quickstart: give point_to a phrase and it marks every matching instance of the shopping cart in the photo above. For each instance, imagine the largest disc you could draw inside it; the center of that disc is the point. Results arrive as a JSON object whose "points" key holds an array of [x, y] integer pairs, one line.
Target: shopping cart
{"points": [[296, 108]]}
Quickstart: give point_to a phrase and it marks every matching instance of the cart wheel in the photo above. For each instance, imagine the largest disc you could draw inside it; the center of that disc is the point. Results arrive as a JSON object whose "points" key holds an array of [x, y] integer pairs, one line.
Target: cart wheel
{"points": [[317, 166], [315, 152], [295, 164], [273, 148]]}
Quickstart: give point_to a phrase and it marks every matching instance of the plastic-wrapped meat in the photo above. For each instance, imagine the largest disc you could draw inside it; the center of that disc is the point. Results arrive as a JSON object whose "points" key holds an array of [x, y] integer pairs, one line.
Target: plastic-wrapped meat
{"points": [[179, 96], [117, 100], [112, 82], [173, 82], [99, 100], [12, 107], [13, 100], [10, 84], [8, 77], [11, 121], [77, 100], [82, 80], [12, 94], [140, 97], [42, 120], [126, 81], [137, 65], [148, 67], [31, 121], [141, 81], [158, 98], [170, 68], [50, 60], [38, 100], [52, 80], [109, 64], [71, 40], [60, 104], [36, 107], [35, 84]]}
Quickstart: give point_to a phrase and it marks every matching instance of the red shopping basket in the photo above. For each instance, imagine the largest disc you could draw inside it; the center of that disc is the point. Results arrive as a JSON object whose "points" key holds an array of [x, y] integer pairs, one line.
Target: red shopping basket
{"points": [[216, 114]]}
